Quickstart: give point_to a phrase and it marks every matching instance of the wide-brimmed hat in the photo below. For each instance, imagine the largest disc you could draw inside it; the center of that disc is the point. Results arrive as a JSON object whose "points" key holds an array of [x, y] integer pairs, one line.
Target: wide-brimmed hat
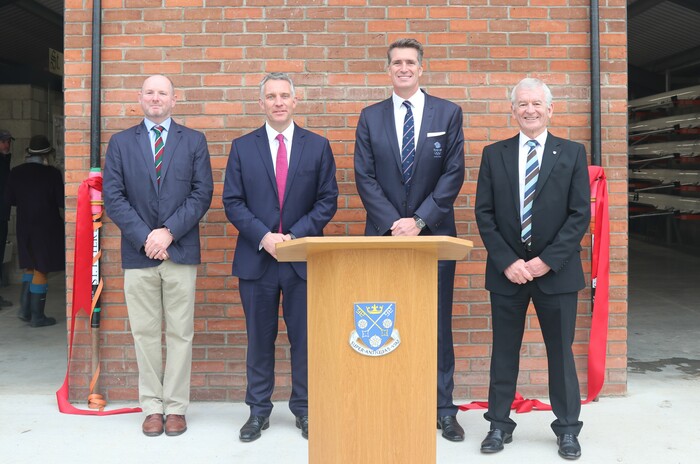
{"points": [[39, 145], [5, 134]]}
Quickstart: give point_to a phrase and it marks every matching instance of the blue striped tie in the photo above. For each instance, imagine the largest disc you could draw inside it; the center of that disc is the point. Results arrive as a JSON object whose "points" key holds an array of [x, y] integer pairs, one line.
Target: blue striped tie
{"points": [[532, 170], [408, 148]]}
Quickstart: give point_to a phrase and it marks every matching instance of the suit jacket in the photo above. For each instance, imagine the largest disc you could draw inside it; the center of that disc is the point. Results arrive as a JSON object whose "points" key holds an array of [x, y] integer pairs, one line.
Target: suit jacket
{"points": [[137, 204], [438, 167], [561, 213], [251, 199]]}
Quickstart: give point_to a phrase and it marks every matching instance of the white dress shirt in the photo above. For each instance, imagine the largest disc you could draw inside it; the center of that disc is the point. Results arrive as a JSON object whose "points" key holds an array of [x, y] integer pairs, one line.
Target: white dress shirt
{"points": [[417, 101], [522, 160], [288, 134], [164, 135]]}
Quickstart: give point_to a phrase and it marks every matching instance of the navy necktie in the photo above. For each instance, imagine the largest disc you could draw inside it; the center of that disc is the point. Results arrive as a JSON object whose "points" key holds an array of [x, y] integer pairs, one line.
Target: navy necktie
{"points": [[408, 145]]}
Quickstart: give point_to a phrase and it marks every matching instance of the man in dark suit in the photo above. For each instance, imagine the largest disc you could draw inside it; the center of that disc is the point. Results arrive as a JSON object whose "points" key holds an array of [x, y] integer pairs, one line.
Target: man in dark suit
{"points": [[157, 186], [280, 185], [409, 168], [532, 209]]}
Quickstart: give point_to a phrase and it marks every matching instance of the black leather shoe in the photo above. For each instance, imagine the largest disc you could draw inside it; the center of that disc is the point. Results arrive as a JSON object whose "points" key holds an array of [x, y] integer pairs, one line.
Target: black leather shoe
{"points": [[251, 430], [303, 424], [493, 443], [569, 447], [451, 430]]}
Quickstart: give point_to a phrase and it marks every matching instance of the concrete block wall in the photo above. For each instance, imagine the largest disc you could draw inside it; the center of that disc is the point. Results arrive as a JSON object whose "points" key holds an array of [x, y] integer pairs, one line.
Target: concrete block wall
{"points": [[27, 110]]}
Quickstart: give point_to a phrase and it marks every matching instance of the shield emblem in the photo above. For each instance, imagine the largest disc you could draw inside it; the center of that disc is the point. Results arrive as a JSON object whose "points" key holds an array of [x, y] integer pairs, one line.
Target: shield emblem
{"points": [[374, 323]]}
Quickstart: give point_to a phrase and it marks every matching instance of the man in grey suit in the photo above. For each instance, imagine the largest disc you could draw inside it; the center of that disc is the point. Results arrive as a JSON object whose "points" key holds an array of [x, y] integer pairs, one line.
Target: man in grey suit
{"points": [[409, 169], [157, 187], [532, 209]]}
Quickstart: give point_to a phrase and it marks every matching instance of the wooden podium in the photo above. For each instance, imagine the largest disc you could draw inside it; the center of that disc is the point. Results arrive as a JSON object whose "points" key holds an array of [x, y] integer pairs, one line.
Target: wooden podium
{"points": [[369, 408]]}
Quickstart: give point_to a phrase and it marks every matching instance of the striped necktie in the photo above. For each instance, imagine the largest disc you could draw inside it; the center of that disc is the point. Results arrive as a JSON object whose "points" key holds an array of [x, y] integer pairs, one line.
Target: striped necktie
{"points": [[532, 170], [408, 148], [158, 149]]}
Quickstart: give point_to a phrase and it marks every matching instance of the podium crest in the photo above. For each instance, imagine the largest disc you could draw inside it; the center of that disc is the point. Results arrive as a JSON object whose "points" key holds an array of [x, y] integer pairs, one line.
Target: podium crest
{"points": [[375, 333]]}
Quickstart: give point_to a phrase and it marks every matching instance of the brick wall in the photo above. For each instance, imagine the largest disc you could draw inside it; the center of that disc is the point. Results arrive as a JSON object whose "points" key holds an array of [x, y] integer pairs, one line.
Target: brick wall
{"points": [[216, 54]]}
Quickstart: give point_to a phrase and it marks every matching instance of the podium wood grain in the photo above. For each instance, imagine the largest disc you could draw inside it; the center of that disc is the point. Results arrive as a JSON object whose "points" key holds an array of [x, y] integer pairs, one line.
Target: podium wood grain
{"points": [[362, 409]]}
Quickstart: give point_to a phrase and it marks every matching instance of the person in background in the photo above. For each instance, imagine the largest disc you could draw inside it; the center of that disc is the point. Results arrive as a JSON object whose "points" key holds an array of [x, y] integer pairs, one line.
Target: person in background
{"points": [[6, 140], [36, 190]]}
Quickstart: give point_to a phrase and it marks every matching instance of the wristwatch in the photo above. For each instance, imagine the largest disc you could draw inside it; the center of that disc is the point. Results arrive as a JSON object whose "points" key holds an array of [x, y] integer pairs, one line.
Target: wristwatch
{"points": [[419, 222]]}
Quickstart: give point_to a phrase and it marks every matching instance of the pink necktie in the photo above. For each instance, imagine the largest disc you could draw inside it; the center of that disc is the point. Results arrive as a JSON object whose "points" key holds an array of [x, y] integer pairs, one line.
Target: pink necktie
{"points": [[281, 173]]}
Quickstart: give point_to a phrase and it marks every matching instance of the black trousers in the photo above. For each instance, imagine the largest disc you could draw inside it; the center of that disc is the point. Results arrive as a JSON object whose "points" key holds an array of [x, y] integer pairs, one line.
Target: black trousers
{"points": [[446, 352], [557, 319]]}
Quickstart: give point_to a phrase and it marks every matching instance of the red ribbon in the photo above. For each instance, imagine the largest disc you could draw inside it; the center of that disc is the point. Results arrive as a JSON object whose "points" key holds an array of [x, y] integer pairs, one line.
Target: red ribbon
{"points": [[600, 283], [600, 277], [85, 226]]}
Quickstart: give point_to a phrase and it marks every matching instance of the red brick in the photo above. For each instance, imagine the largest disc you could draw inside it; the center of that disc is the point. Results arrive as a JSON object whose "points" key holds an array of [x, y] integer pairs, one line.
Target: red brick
{"points": [[217, 51]]}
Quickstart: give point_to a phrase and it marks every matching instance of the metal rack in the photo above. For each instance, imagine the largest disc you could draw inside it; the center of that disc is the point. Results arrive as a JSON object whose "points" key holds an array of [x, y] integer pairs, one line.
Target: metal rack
{"points": [[664, 167]]}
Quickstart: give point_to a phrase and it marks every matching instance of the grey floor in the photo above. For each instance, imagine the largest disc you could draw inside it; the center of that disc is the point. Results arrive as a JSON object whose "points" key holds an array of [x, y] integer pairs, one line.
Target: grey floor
{"points": [[654, 423], [664, 307]]}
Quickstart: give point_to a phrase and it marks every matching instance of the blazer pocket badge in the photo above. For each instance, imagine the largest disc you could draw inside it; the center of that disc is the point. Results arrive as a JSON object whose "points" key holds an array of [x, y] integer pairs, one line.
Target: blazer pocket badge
{"points": [[437, 150]]}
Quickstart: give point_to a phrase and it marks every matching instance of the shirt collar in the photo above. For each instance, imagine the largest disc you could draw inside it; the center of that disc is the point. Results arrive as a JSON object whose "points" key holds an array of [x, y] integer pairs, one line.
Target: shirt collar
{"points": [[165, 124], [541, 139], [417, 99], [272, 133]]}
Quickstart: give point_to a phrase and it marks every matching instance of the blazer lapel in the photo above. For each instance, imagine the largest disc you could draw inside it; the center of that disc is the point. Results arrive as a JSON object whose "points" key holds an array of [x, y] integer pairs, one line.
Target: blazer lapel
{"points": [[509, 155], [550, 155], [143, 140], [263, 146], [390, 129], [173, 139], [294, 158], [426, 122]]}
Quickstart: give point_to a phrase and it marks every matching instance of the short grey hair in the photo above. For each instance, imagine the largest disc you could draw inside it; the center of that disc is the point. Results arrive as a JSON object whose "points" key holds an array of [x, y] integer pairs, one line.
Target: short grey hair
{"points": [[406, 43], [532, 83], [275, 76]]}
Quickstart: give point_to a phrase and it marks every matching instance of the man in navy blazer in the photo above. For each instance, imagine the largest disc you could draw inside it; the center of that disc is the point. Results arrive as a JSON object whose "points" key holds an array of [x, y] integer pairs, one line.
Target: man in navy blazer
{"points": [[158, 209], [414, 194], [533, 255], [280, 185]]}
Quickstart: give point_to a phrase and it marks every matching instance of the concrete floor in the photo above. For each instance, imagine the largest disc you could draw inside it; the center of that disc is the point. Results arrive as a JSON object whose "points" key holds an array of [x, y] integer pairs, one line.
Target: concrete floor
{"points": [[643, 427]]}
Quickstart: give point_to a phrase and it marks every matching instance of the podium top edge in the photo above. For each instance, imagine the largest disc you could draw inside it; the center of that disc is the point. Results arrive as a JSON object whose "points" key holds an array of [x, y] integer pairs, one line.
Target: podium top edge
{"points": [[446, 247]]}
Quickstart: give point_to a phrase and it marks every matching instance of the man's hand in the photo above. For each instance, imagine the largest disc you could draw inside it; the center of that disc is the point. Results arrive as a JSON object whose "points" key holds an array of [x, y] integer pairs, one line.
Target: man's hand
{"points": [[518, 272], [157, 244], [405, 227], [537, 267], [270, 241]]}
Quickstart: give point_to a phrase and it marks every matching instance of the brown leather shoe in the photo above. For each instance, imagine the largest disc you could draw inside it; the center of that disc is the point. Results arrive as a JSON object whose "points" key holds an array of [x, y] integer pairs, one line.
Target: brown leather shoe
{"points": [[153, 425], [175, 425]]}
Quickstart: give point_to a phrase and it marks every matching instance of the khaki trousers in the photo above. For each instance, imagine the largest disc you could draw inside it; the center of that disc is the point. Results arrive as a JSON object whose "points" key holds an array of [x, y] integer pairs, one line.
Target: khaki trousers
{"points": [[166, 291]]}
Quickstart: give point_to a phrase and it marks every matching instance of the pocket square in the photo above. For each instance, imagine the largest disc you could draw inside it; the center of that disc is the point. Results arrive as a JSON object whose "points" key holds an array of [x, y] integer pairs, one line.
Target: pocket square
{"points": [[435, 134]]}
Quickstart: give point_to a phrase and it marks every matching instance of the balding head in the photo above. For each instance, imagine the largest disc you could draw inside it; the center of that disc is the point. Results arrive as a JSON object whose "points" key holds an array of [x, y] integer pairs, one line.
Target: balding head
{"points": [[157, 98]]}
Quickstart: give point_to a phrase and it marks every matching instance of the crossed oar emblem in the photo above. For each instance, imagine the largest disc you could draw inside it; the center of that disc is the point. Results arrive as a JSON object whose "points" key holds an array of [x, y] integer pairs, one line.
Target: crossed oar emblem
{"points": [[386, 312]]}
